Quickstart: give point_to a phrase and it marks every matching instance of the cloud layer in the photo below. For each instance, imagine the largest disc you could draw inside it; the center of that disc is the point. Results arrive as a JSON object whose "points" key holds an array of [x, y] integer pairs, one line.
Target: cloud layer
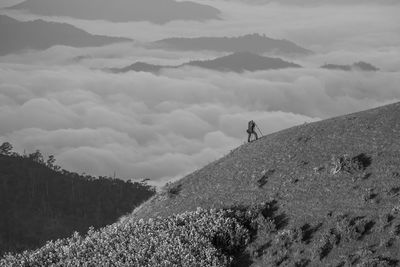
{"points": [[162, 127]]}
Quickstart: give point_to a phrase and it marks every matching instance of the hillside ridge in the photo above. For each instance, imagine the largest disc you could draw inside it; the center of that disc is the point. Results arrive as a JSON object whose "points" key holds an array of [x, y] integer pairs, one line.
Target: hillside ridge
{"points": [[291, 146], [331, 192]]}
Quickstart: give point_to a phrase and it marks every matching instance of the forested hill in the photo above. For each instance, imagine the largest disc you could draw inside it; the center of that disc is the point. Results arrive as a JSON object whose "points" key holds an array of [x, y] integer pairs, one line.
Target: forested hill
{"points": [[39, 202]]}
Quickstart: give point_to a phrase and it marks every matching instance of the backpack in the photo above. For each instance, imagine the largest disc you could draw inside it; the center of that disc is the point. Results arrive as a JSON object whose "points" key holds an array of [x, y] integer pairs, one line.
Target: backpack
{"points": [[251, 125]]}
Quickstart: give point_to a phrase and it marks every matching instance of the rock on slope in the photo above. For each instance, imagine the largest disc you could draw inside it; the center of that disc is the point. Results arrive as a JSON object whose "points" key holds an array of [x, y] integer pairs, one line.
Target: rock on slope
{"points": [[320, 218]]}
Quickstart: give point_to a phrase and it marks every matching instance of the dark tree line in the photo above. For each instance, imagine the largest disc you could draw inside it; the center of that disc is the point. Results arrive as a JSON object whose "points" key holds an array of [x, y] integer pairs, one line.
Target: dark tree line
{"points": [[39, 201]]}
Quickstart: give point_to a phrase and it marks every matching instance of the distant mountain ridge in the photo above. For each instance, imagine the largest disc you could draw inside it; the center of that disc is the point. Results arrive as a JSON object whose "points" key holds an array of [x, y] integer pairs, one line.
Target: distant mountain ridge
{"points": [[236, 62], [243, 61], [156, 11], [254, 43], [360, 66], [142, 67], [39, 35]]}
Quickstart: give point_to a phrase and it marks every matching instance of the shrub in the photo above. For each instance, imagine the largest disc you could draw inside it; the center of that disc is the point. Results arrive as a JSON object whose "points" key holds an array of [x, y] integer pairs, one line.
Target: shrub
{"points": [[350, 165], [173, 190], [355, 228], [365, 258], [327, 242], [197, 238], [281, 247]]}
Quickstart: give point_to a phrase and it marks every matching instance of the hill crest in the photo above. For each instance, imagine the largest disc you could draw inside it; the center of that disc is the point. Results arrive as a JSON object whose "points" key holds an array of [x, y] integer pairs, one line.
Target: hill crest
{"points": [[292, 153], [323, 214]]}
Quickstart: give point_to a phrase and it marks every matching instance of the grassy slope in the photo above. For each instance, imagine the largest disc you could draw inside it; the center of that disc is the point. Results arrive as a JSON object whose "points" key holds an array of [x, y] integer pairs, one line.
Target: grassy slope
{"points": [[302, 195]]}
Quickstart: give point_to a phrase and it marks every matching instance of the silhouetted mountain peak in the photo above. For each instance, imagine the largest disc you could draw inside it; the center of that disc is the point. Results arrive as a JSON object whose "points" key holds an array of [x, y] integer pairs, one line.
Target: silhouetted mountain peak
{"points": [[236, 62], [243, 61], [254, 43], [156, 11], [361, 65], [358, 66], [140, 67], [39, 34]]}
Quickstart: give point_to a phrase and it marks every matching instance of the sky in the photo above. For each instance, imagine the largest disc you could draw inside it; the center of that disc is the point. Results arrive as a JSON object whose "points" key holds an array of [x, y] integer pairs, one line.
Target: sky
{"points": [[162, 127]]}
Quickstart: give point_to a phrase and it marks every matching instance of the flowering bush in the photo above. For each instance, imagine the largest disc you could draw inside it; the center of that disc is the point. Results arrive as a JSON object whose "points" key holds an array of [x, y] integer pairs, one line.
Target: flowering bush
{"points": [[187, 239]]}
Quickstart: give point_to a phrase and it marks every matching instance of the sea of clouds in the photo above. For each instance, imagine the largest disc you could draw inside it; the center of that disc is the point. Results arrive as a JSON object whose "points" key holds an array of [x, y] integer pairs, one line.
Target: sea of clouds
{"points": [[161, 127]]}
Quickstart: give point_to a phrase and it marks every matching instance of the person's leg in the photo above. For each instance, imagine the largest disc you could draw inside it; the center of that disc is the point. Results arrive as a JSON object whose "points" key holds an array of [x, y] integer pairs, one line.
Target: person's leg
{"points": [[248, 138], [256, 135]]}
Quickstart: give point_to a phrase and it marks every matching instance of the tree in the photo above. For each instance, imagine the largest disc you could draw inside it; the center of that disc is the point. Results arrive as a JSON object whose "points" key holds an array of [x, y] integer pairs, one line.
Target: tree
{"points": [[6, 148], [50, 161], [36, 156]]}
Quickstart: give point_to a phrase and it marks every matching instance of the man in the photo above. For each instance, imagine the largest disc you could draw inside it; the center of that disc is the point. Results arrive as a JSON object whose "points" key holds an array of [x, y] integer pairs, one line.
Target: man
{"points": [[250, 130]]}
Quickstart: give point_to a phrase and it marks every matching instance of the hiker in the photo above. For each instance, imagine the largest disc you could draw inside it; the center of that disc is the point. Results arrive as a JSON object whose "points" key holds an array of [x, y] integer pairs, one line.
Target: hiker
{"points": [[250, 130]]}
